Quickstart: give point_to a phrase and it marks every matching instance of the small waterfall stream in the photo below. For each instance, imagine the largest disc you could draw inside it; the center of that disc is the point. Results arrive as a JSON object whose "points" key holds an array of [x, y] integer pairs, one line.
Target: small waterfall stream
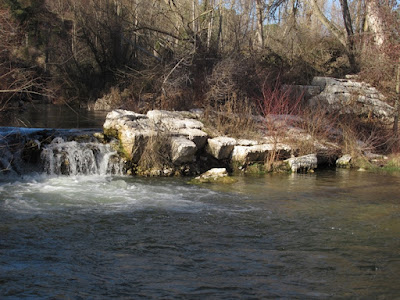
{"points": [[62, 152], [62, 157]]}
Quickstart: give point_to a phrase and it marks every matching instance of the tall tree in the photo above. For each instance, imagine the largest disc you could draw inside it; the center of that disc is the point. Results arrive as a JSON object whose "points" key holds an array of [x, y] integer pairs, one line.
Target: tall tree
{"points": [[346, 38], [260, 23], [375, 22]]}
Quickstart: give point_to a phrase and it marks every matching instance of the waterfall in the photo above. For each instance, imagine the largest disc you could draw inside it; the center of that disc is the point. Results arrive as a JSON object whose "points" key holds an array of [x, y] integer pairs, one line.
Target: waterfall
{"points": [[62, 157], [56, 152]]}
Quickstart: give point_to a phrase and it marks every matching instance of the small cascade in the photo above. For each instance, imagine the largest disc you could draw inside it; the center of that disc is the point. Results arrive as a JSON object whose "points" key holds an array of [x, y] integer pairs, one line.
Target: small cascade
{"points": [[62, 157]]}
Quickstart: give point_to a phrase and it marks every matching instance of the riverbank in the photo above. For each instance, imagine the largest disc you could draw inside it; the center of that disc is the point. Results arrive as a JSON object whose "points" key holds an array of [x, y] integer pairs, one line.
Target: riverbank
{"points": [[333, 122]]}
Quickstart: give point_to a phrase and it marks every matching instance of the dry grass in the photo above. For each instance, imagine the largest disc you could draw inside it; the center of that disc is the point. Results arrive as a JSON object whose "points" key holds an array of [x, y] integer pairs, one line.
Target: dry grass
{"points": [[234, 118], [156, 155]]}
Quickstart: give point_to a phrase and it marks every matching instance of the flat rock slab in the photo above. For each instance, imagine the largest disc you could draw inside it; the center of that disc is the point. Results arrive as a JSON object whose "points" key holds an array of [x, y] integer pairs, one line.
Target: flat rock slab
{"points": [[258, 153], [197, 136]]}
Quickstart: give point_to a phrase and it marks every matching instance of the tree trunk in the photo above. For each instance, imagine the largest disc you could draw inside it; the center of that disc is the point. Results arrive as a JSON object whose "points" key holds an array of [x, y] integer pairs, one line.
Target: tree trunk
{"points": [[397, 106], [219, 36], [260, 21], [210, 26], [328, 24], [350, 35], [375, 22], [346, 39]]}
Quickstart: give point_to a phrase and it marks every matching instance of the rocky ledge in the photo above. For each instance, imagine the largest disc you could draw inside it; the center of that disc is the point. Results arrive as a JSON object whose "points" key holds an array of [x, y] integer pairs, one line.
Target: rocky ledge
{"points": [[348, 96], [166, 143]]}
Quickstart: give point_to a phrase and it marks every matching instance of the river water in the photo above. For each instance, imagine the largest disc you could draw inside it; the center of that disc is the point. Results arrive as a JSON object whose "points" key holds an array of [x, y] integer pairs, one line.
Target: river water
{"points": [[53, 116], [331, 234]]}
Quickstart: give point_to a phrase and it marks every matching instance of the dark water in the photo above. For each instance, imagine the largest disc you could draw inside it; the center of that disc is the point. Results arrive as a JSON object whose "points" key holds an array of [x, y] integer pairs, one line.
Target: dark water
{"points": [[53, 116], [331, 234]]}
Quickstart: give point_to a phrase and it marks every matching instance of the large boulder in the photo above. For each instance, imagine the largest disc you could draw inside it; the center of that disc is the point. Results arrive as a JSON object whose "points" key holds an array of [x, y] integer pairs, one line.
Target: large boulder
{"points": [[351, 97], [131, 129], [181, 130], [182, 150], [197, 136]]}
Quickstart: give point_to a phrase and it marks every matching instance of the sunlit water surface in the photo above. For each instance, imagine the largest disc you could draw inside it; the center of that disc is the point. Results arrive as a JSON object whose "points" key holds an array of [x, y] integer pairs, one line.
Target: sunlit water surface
{"points": [[331, 234]]}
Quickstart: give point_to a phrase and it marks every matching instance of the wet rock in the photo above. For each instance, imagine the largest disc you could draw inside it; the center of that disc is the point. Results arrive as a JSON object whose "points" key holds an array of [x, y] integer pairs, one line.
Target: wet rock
{"points": [[344, 161], [31, 151], [304, 163], [215, 175]]}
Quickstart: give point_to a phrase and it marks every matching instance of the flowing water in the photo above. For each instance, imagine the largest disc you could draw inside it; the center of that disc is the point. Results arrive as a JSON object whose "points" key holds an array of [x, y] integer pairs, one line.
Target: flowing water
{"points": [[331, 234]]}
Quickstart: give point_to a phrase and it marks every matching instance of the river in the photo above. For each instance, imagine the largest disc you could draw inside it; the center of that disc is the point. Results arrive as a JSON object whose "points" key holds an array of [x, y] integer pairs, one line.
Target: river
{"points": [[330, 234], [53, 116]]}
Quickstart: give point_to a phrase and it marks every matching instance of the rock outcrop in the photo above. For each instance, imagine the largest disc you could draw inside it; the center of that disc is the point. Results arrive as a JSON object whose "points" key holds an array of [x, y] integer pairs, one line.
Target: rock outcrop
{"points": [[135, 131], [185, 146], [347, 96]]}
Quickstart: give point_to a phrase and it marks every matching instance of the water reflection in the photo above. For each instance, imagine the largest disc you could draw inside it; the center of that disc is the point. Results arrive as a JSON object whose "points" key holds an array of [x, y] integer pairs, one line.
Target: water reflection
{"points": [[53, 116]]}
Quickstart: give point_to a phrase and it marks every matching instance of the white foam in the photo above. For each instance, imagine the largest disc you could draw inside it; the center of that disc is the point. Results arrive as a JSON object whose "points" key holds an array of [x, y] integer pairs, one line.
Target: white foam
{"points": [[100, 192]]}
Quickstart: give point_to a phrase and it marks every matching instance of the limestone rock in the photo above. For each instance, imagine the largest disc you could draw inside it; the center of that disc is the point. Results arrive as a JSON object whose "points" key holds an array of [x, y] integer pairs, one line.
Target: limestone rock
{"points": [[344, 161], [182, 150], [351, 97], [244, 142], [258, 153], [126, 115], [215, 175], [135, 130], [197, 136], [303, 163], [221, 147], [173, 120]]}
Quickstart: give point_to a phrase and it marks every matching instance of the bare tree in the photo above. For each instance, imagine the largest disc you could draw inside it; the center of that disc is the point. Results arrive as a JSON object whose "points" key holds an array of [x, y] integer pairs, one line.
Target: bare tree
{"points": [[375, 22], [260, 23], [346, 38], [17, 80]]}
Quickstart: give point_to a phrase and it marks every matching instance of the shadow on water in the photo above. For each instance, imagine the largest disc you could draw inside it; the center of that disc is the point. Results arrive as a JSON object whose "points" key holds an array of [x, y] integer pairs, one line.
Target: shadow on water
{"points": [[331, 234], [53, 116]]}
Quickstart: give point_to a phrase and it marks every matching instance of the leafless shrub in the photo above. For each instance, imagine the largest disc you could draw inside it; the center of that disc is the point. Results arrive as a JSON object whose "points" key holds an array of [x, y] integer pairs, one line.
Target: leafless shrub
{"points": [[231, 78], [234, 117], [17, 81]]}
